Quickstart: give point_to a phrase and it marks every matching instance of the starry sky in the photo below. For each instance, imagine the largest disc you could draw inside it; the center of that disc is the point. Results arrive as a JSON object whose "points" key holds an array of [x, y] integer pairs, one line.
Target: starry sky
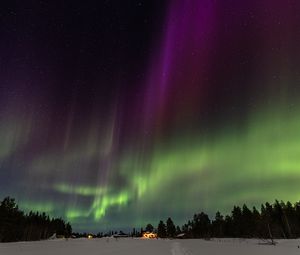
{"points": [[116, 113]]}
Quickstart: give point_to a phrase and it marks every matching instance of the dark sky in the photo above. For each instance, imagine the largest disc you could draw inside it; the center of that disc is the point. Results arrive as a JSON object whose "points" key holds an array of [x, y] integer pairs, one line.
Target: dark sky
{"points": [[117, 113], [73, 48]]}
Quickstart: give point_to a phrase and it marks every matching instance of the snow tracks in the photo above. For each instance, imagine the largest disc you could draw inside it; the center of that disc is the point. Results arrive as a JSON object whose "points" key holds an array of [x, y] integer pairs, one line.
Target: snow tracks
{"points": [[177, 249]]}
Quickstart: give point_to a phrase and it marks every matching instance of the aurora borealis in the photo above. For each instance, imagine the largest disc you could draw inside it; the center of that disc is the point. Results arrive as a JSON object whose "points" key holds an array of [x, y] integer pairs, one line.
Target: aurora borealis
{"points": [[114, 114]]}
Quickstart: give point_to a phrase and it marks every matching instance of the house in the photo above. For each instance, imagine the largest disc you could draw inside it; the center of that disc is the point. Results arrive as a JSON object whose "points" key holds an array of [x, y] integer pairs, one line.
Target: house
{"points": [[149, 235], [120, 235], [181, 236]]}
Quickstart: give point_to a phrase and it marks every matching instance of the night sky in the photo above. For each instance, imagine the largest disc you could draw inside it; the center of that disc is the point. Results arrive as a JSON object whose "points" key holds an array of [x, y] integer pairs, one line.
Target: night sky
{"points": [[117, 113]]}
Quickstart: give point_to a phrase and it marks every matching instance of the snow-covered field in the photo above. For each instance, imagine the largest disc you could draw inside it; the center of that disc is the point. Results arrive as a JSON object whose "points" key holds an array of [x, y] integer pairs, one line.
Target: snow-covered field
{"points": [[146, 247]]}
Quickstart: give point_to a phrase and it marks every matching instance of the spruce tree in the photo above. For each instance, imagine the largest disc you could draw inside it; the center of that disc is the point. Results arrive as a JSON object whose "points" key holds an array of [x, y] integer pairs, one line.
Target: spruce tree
{"points": [[218, 225], [171, 229], [161, 230], [149, 228]]}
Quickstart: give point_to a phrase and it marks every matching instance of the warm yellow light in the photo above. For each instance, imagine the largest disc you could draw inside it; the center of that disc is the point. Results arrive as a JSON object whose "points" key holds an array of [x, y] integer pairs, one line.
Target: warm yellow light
{"points": [[149, 235], [90, 236]]}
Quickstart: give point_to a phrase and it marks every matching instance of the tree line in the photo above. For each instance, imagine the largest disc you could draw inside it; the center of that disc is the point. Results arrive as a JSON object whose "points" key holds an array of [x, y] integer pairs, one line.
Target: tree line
{"points": [[15, 225], [277, 220]]}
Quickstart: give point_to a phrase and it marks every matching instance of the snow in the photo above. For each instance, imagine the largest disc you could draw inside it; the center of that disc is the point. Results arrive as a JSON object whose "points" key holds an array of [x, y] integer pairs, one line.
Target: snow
{"points": [[147, 246]]}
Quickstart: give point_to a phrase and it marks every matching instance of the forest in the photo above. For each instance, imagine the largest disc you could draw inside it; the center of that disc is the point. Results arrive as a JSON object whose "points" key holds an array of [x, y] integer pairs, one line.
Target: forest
{"points": [[15, 225], [277, 220], [273, 221]]}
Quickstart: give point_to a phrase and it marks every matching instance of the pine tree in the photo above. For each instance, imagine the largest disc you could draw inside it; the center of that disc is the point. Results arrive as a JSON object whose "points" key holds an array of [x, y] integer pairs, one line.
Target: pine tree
{"points": [[149, 228], [237, 221], [17, 226], [161, 230], [171, 229], [218, 225], [201, 226], [247, 224], [257, 223]]}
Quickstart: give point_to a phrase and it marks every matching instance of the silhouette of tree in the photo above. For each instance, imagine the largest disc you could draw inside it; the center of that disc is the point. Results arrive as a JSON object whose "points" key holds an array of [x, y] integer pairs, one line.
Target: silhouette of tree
{"points": [[257, 223], [201, 225], [17, 226], [278, 220], [237, 221], [171, 229], [149, 228], [161, 230], [218, 225], [247, 222]]}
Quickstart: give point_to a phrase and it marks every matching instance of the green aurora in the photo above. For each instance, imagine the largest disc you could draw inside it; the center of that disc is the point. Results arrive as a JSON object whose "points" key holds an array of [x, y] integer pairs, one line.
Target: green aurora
{"points": [[255, 165], [142, 111]]}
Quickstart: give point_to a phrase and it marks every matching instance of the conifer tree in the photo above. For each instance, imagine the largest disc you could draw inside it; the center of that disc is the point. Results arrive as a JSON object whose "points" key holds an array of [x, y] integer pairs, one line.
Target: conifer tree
{"points": [[161, 230], [171, 229], [149, 228]]}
